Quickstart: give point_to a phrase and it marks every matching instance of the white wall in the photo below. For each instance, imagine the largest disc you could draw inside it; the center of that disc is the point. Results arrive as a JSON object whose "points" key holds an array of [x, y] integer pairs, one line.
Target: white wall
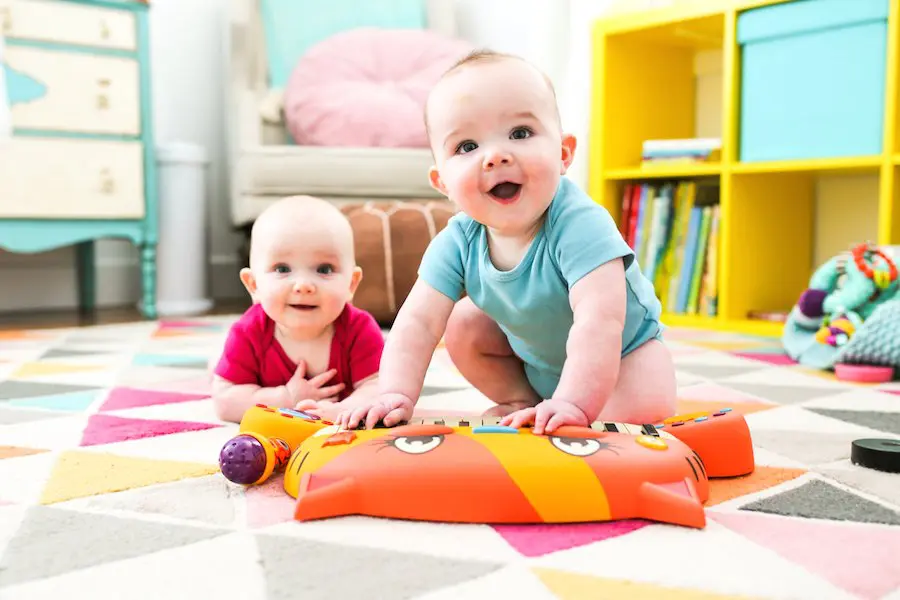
{"points": [[188, 65]]}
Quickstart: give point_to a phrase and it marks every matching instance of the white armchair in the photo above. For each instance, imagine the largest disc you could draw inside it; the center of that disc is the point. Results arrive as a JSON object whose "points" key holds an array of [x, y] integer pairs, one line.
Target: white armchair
{"points": [[264, 167]]}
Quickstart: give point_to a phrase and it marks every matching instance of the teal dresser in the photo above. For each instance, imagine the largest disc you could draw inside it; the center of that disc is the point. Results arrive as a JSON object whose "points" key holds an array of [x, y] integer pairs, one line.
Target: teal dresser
{"points": [[80, 163]]}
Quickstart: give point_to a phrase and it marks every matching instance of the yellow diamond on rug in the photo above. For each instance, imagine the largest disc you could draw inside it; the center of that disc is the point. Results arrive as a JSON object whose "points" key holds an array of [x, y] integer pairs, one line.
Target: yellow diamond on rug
{"points": [[39, 369], [574, 586], [80, 474]]}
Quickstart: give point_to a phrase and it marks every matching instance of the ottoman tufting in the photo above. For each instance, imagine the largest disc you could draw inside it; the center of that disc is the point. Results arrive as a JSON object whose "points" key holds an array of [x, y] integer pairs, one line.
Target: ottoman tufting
{"points": [[390, 238]]}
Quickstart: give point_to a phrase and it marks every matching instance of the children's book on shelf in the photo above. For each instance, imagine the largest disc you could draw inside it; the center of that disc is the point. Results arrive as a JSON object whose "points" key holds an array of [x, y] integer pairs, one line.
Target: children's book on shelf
{"points": [[673, 228]]}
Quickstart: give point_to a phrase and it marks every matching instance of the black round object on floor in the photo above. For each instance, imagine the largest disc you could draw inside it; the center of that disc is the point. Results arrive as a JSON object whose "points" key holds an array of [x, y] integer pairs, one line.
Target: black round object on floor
{"points": [[878, 454]]}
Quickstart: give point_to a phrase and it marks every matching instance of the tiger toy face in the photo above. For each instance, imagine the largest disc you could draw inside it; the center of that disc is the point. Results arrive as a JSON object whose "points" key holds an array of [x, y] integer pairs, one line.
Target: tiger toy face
{"points": [[497, 475]]}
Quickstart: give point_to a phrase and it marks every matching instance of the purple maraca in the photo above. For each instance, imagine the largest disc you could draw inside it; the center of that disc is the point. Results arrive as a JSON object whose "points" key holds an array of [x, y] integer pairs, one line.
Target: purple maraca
{"points": [[243, 460]]}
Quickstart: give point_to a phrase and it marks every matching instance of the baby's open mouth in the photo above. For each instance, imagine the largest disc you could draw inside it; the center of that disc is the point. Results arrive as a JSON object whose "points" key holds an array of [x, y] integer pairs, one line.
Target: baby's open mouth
{"points": [[505, 190], [303, 306]]}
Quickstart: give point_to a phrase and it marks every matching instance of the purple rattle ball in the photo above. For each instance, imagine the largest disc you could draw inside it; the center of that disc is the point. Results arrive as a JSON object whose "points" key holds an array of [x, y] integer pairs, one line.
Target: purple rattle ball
{"points": [[242, 459]]}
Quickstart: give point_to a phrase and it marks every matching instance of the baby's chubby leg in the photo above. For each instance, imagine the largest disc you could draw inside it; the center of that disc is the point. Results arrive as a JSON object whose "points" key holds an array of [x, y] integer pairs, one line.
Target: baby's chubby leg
{"points": [[645, 390], [481, 352]]}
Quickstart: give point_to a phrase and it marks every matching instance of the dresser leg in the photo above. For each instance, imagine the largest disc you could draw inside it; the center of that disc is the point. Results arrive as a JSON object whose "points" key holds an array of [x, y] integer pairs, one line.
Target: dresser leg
{"points": [[148, 273], [86, 269]]}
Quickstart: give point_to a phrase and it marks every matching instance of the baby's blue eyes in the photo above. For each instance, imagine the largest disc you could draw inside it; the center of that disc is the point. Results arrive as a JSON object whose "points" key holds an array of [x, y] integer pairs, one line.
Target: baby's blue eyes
{"points": [[519, 133], [466, 147], [323, 269]]}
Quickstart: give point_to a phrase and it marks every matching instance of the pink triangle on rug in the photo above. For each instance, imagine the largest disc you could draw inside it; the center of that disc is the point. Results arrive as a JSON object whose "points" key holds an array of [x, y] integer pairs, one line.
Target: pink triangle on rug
{"points": [[860, 558], [779, 360], [125, 397], [537, 540], [268, 504], [108, 429]]}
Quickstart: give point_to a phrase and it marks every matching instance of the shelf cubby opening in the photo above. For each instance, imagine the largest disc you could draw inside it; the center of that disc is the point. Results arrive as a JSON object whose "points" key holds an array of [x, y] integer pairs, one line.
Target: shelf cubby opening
{"points": [[658, 83], [889, 212], [793, 222]]}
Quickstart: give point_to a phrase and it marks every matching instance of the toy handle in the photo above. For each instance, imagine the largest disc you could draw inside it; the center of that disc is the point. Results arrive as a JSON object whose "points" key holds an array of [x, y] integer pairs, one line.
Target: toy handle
{"points": [[250, 458]]}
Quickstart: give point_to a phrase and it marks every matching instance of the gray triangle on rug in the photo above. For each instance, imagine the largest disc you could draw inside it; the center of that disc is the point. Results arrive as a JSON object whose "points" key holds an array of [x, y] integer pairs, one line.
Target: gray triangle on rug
{"points": [[818, 499], [11, 389], [53, 541], [783, 394], [312, 570], [888, 422]]}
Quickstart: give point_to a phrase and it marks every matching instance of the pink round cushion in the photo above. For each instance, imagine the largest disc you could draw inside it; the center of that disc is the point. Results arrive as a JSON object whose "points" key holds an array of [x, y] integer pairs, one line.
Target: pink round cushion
{"points": [[367, 87]]}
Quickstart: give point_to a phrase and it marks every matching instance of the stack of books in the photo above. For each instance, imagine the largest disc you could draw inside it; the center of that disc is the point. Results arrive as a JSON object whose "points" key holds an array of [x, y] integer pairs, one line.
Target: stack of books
{"points": [[673, 228]]}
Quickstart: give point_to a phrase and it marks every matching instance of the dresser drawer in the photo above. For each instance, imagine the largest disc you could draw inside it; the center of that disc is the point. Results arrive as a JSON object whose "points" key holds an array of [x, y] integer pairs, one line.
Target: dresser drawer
{"points": [[83, 93], [71, 179], [68, 23]]}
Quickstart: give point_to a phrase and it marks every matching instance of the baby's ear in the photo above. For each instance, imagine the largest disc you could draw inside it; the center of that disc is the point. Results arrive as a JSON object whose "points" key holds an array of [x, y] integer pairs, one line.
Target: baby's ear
{"points": [[249, 282], [434, 178], [568, 152], [355, 278]]}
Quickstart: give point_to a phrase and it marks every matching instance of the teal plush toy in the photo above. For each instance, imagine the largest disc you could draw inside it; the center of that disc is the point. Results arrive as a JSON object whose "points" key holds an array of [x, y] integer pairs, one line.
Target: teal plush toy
{"points": [[843, 293]]}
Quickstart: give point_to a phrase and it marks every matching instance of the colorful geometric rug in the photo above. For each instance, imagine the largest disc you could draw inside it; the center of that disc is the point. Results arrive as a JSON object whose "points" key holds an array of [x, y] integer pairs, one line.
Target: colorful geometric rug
{"points": [[109, 489]]}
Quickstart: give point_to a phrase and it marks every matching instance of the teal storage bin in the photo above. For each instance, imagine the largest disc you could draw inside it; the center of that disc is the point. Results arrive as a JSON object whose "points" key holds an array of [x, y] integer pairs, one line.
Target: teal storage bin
{"points": [[812, 79]]}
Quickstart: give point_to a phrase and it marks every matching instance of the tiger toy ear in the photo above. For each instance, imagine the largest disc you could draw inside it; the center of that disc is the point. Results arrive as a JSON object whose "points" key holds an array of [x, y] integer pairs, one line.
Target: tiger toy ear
{"points": [[675, 503], [320, 497]]}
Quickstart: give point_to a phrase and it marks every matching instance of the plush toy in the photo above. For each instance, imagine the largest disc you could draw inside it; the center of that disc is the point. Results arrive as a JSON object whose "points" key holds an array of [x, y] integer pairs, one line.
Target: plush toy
{"points": [[877, 343], [842, 294]]}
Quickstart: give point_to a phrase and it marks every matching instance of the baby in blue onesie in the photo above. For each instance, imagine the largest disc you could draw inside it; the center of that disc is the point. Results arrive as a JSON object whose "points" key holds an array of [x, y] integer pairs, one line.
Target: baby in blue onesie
{"points": [[540, 301]]}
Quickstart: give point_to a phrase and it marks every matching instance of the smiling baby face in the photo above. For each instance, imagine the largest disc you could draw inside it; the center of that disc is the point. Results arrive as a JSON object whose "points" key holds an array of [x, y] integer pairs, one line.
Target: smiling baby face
{"points": [[498, 146], [302, 264]]}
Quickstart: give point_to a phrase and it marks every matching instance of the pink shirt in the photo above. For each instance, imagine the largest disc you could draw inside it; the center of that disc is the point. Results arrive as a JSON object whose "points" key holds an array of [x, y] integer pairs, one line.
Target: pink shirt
{"points": [[253, 356]]}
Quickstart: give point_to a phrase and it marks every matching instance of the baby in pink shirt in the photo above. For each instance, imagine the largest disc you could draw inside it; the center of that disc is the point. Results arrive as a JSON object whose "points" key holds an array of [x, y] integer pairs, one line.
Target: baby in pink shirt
{"points": [[302, 344]]}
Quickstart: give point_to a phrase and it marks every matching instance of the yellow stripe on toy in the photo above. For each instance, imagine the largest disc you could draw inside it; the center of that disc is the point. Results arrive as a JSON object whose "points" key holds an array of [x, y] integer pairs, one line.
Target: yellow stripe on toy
{"points": [[576, 493]]}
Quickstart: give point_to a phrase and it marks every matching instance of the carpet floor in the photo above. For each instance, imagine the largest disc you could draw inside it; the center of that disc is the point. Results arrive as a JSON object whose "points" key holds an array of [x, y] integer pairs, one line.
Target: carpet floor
{"points": [[109, 488]]}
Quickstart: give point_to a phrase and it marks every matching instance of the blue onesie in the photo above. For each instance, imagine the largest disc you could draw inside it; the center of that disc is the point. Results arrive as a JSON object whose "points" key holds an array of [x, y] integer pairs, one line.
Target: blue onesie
{"points": [[530, 303]]}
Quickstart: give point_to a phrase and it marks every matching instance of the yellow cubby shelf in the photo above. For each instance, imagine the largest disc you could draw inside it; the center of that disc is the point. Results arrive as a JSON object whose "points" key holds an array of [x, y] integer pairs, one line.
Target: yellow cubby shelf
{"points": [[748, 326], [674, 72], [850, 164], [672, 171]]}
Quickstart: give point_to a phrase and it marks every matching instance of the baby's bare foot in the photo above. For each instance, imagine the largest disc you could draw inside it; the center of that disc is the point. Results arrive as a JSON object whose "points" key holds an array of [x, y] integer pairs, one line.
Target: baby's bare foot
{"points": [[501, 410]]}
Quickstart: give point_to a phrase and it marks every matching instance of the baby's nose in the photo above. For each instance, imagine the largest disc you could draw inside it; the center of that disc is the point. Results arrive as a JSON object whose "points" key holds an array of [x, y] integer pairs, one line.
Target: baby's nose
{"points": [[497, 158], [305, 286]]}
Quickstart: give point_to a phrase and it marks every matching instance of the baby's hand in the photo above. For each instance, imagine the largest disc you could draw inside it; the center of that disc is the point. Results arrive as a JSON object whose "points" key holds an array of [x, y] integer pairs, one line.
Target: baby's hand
{"points": [[299, 388], [388, 408], [327, 410], [547, 416]]}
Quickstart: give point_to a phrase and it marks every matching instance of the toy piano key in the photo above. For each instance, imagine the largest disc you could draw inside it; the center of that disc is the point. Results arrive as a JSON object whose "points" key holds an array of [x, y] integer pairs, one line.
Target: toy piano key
{"points": [[616, 427]]}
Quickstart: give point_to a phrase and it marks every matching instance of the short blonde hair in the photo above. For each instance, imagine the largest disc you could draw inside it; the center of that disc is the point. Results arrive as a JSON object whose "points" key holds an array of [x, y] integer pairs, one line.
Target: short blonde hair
{"points": [[485, 55]]}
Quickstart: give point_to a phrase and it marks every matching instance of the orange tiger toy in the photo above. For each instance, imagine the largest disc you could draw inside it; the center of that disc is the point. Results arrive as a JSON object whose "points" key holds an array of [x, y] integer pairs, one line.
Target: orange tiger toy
{"points": [[475, 471]]}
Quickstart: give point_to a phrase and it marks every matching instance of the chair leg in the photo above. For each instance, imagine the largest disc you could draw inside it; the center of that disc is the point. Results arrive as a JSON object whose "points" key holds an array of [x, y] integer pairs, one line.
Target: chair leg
{"points": [[148, 276], [86, 271]]}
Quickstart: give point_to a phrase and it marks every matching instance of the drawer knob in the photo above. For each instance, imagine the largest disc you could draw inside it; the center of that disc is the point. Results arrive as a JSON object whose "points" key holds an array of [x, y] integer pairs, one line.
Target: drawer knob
{"points": [[102, 95], [107, 184], [104, 29], [5, 19]]}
